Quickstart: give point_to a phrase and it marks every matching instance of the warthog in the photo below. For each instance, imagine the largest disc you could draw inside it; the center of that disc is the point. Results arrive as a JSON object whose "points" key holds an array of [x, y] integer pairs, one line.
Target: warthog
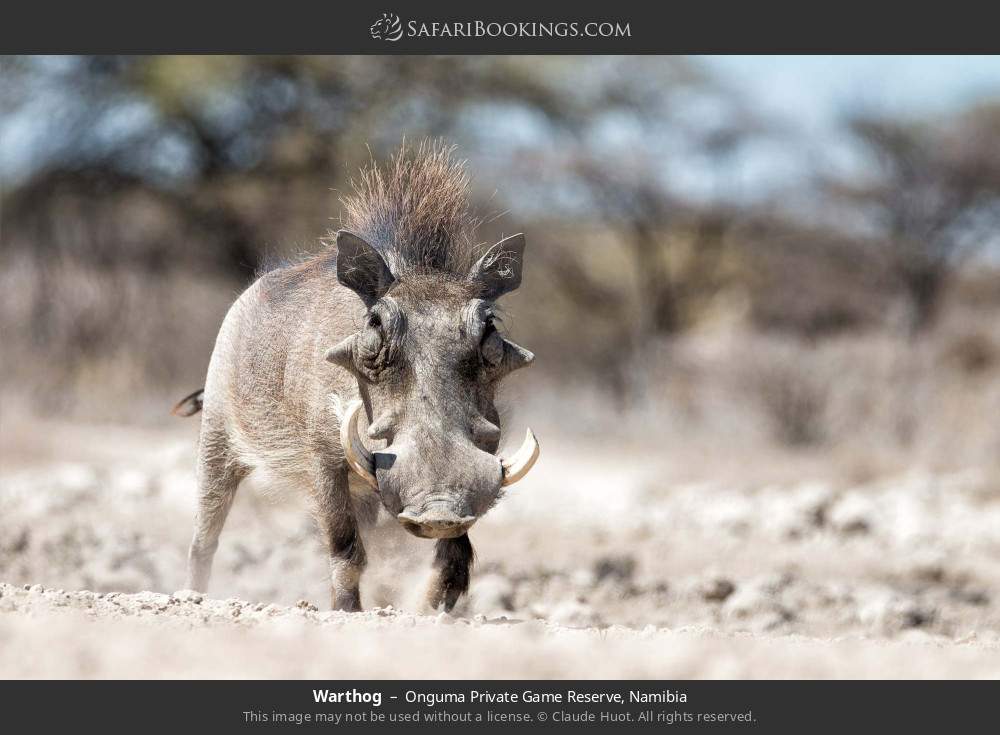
{"points": [[391, 327]]}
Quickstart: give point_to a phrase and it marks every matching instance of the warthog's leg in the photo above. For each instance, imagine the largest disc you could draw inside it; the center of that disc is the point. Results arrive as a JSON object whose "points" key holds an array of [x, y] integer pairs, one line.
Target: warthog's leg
{"points": [[339, 526], [218, 476], [452, 566]]}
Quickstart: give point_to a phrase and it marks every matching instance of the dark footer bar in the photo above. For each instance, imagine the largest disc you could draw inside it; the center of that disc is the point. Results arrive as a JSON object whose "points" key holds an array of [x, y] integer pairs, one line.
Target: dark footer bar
{"points": [[240, 706]]}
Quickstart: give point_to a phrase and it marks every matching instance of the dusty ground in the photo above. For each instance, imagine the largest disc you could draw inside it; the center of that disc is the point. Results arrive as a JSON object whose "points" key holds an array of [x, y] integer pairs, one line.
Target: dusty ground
{"points": [[589, 568]]}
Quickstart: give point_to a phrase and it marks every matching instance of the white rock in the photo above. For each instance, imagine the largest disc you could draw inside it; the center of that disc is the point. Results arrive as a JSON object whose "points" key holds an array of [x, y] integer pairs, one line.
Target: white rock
{"points": [[574, 614], [491, 595], [189, 596], [852, 514]]}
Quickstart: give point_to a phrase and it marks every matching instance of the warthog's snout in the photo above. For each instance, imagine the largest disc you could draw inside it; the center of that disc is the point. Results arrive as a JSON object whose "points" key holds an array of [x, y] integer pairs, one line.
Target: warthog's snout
{"points": [[435, 521]]}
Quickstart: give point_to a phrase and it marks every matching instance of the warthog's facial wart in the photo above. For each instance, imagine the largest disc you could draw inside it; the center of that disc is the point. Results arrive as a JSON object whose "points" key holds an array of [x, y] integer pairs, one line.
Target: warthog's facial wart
{"points": [[428, 361]]}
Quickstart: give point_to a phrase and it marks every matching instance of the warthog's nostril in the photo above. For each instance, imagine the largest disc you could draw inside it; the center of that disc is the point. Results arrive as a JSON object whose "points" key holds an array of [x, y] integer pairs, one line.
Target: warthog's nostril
{"points": [[436, 519], [448, 522], [436, 522]]}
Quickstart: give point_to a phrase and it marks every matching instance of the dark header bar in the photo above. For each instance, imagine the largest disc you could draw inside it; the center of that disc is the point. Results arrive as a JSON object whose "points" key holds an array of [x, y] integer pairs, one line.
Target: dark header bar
{"points": [[449, 27]]}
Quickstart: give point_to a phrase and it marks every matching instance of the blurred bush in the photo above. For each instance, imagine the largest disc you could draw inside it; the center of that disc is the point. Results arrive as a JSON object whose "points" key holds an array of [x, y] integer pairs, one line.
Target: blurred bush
{"points": [[141, 194]]}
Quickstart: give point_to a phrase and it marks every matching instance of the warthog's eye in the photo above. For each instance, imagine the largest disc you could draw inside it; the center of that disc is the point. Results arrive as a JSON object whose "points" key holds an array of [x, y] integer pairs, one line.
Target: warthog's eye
{"points": [[379, 340], [373, 349], [372, 338]]}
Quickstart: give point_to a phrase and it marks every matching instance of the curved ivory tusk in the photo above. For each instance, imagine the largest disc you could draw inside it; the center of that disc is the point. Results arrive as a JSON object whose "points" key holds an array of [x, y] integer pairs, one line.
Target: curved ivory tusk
{"points": [[521, 461], [357, 455]]}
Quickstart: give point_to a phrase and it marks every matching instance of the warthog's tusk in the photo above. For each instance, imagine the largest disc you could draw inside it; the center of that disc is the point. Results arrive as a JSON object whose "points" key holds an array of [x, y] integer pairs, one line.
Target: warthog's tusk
{"points": [[521, 461], [357, 455]]}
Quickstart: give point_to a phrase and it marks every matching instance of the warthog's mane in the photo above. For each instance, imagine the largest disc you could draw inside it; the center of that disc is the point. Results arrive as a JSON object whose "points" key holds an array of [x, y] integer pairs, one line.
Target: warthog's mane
{"points": [[415, 211]]}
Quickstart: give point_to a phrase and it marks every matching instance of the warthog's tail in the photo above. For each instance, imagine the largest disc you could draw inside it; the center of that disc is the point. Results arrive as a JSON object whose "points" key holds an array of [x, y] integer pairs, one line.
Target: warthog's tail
{"points": [[189, 405]]}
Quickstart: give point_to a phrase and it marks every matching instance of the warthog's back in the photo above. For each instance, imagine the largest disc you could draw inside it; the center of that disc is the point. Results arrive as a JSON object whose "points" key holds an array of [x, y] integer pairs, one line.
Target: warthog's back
{"points": [[268, 382]]}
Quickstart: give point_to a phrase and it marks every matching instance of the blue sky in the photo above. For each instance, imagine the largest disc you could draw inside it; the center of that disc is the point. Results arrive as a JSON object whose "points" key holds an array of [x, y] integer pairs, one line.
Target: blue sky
{"points": [[812, 91], [803, 100]]}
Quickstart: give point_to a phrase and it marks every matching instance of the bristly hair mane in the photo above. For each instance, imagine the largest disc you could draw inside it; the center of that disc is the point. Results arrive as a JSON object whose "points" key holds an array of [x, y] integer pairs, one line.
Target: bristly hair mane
{"points": [[415, 211]]}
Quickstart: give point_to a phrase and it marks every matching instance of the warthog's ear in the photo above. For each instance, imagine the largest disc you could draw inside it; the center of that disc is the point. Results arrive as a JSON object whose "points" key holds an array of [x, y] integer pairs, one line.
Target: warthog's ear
{"points": [[499, 270], [361, 268]]}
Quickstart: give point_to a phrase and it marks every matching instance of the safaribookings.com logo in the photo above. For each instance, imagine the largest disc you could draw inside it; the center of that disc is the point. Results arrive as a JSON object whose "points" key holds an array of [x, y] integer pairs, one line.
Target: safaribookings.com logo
{"points": [[390, 28], [387, 28]]}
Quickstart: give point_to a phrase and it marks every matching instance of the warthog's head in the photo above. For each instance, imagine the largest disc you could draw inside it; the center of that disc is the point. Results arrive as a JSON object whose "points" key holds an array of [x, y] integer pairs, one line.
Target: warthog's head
{"points": [[428, 360]]}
